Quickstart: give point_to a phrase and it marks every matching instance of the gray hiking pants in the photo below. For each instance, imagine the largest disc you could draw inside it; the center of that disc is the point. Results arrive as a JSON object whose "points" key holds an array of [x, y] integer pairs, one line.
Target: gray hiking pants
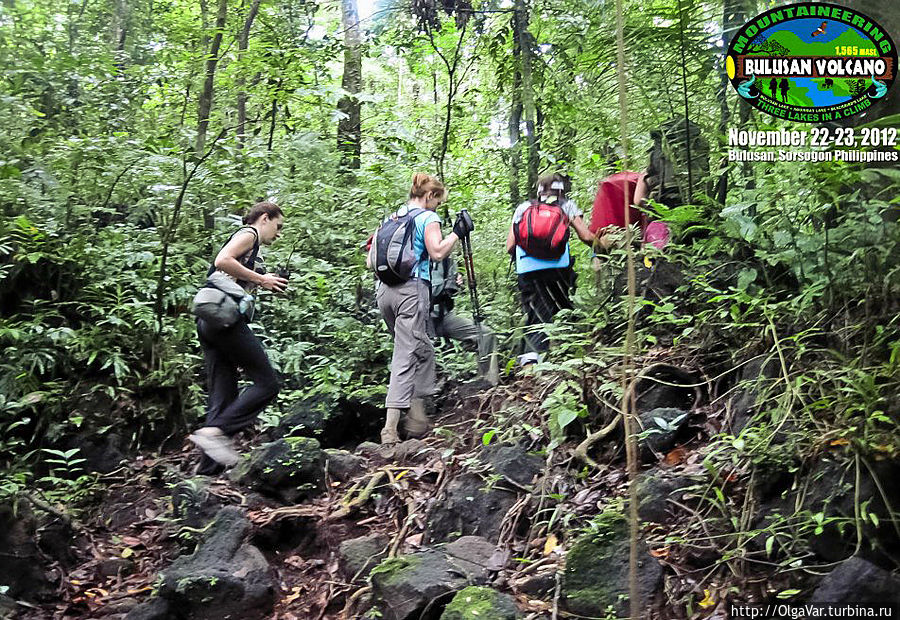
{"points": [[464, 330], [405, 310]]}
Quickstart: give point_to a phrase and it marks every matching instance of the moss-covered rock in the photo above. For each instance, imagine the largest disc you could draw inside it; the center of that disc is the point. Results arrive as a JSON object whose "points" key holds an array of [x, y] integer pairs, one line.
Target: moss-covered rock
{"points": [[404, 587], [332, 421], [480, 603], [661, 428], [21, 570], [596, 575], [359, 555], [653, 491], [224, 577], [290, 469], [514, 462]]}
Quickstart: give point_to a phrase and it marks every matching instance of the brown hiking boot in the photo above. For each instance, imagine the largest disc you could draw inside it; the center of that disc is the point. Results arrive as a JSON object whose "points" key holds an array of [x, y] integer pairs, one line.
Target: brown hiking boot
{"points": [[389, 432], [416, 422]]}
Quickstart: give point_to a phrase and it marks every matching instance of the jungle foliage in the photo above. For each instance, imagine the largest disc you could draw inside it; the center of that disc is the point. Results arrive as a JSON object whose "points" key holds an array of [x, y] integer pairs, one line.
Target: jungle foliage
{"points": [[116, 190]]}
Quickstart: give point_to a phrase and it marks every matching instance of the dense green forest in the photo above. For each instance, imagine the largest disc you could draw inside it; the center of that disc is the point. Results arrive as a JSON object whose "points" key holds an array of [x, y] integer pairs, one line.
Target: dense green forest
{"points": [[133, 135]]}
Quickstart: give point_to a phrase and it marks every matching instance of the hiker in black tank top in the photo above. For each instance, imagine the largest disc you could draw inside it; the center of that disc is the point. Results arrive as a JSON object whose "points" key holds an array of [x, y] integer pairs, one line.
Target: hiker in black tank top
{"points": [[226, 350]]}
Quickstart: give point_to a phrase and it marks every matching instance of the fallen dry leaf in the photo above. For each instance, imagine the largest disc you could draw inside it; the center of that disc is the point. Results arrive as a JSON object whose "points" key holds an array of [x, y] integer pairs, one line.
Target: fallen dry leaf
{"points": [[293, 596], [551, 544], [675, 457], [414, 541], [662, 552]]}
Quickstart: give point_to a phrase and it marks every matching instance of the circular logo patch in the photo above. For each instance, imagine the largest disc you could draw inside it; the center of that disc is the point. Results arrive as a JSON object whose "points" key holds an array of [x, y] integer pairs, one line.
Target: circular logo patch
{"points": [[812, 62]]}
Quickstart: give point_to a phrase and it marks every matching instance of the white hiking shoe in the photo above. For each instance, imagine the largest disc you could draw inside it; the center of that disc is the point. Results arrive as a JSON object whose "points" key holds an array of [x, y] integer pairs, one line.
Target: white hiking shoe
{"points": [[215, 444], [529, 358]]}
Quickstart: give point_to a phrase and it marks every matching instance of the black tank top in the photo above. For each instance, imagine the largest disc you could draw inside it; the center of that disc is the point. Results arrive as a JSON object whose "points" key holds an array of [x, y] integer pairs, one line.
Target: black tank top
{"points": [[248, 259]]}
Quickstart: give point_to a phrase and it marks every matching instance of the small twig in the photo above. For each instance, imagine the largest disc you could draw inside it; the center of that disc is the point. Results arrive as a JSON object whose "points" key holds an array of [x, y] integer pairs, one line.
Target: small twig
{"points": [[401, 535], [362, 498], [351, 602], [556, 593], [46, 507], [285, 513]]}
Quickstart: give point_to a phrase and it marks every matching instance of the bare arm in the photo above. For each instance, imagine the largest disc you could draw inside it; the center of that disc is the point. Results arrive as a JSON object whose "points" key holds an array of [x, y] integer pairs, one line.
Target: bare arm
{"points": [[640, 191], [438, 248], [510, 240], [581, 230], [227, 261]]}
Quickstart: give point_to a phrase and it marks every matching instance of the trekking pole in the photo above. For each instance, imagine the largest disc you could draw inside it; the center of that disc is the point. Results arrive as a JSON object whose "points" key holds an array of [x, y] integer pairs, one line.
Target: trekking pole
{"points": [[492, 370], [470, 275]]}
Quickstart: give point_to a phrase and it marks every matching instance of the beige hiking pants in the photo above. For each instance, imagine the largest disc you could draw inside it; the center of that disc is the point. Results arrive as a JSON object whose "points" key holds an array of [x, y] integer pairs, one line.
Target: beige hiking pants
{"points": [[405, 310]]}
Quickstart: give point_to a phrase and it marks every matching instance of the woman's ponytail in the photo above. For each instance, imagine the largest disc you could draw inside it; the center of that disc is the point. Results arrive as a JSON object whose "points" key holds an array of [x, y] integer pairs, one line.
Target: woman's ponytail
{"points": [[425, 184]]}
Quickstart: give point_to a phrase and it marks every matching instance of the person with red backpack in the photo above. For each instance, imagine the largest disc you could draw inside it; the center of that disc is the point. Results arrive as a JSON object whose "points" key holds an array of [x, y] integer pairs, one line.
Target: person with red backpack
{"points": [[400, 254], [539, 239], [608, 213]]}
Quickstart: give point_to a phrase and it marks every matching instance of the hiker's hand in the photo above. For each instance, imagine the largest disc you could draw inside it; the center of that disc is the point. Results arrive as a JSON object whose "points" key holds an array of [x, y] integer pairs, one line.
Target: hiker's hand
{"points": [[605, 242], [273, 282], [463, 225], [459, 280]]}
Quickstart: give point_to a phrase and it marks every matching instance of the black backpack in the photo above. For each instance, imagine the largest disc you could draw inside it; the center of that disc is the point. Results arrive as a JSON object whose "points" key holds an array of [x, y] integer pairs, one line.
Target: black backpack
{"points": [[222, 301], [393, 256], [667, 175], [443, 286]]}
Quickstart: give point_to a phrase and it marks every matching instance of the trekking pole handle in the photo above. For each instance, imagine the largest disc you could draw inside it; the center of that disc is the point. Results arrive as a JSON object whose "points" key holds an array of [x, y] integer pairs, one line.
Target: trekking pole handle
{"points": [[470, 225]]}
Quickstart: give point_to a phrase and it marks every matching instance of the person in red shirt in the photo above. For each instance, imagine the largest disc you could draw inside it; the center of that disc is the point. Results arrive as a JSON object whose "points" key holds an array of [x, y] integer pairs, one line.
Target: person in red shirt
{"points": [[608, 213]]}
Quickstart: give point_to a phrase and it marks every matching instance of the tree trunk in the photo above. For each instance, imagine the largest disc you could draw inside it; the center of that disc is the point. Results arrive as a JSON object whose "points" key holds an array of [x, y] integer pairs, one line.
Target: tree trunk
{"points": [[520, 20], [273, 116], [888, 17], [734, 15], [349, 130], [451, 65], [243, 42], [515, 138], [204, 23], [212, 60]]}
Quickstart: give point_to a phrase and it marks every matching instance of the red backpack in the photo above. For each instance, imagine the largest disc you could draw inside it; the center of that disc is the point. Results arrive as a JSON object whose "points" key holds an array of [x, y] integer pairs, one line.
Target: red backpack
{"points": [[609, 209], [543, 231], [609, 204]]}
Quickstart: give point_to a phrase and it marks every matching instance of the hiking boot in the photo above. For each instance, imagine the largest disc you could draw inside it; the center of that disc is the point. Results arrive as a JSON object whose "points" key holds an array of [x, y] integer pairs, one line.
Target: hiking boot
{"points": [[531, 357], [215, 444], [389, 432], [416, 422]]}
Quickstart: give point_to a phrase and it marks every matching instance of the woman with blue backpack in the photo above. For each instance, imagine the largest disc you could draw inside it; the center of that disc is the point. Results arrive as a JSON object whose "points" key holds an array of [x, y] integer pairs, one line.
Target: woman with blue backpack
{"points": [[227, 341], [401, 251], [539, 239]]}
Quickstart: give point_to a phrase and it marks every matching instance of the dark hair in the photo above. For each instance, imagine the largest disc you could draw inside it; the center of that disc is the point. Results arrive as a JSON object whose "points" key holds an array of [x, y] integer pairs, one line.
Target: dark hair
{"points": [[544, 185], [424, 184], [262, 208]]}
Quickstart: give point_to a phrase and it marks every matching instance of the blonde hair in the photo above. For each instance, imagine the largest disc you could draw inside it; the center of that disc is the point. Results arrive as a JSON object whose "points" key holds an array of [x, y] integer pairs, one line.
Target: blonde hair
{"points": [[425, 184]]}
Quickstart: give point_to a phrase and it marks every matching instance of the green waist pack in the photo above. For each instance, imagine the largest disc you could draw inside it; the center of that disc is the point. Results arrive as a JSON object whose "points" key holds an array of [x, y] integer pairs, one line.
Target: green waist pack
{"points": [[222, 302]]}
